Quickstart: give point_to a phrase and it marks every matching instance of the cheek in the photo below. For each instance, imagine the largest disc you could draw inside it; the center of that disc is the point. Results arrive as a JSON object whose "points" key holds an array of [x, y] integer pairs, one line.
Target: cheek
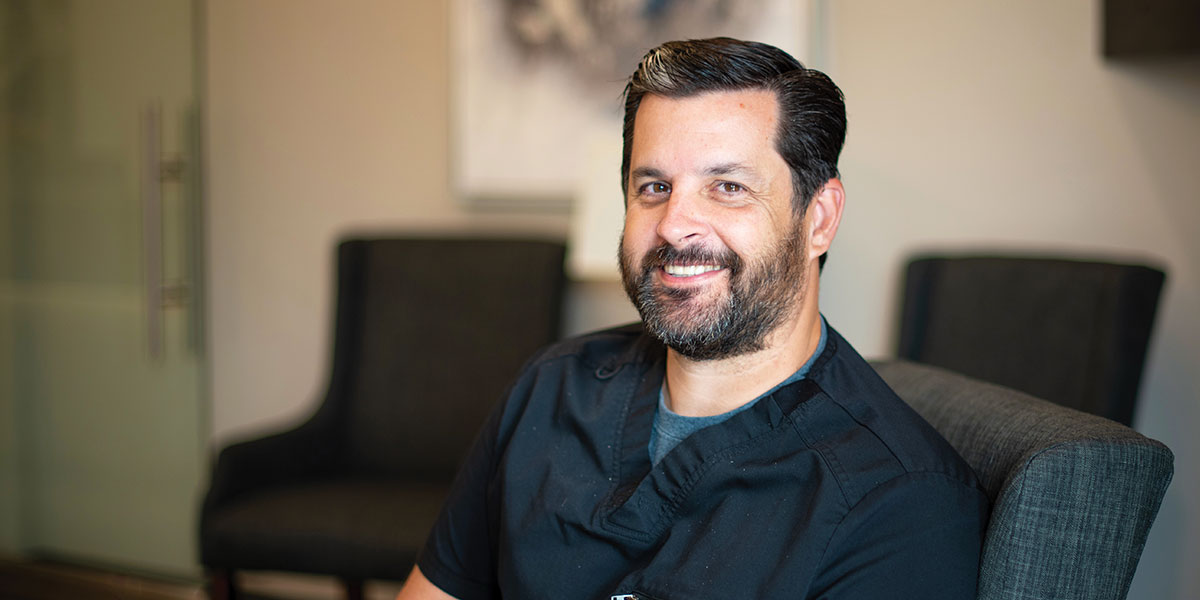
{"points": [[745, 238], [630, 250], [639, 233]]}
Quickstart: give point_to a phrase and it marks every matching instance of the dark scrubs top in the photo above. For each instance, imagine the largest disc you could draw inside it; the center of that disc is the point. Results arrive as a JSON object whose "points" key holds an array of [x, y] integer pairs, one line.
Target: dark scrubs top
{"points": [[830, 487]]}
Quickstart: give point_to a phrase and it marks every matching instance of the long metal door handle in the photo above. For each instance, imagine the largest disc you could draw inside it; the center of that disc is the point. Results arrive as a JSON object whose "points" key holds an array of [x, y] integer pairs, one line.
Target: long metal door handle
{"points": [[193, 186]]}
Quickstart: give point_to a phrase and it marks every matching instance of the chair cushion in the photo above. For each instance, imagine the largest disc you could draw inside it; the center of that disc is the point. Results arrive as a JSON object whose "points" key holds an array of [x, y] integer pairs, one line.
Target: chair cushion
{"points": [[351, 529]]}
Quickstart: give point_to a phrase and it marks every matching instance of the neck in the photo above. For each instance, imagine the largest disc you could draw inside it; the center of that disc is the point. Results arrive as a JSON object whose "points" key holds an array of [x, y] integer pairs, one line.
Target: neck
{"points": [[712, 387]]}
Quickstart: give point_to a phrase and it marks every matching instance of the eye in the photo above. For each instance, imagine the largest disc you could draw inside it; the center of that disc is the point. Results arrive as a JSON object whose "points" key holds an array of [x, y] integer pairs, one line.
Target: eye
{"points": [[730, 187], [655, 188]]}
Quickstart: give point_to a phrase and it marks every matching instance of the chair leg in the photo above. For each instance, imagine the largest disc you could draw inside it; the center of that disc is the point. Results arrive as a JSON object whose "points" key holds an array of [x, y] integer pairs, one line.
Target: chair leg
{"points": [[221, 585], [354, 589]]}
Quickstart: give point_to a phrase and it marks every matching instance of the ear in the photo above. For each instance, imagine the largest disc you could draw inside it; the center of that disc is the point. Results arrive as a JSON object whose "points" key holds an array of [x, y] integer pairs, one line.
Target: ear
{"points": [[823, 217]]}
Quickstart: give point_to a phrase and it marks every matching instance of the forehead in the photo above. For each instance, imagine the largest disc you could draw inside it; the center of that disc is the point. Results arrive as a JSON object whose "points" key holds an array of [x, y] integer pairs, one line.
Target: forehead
{"points": [[739, 123]]}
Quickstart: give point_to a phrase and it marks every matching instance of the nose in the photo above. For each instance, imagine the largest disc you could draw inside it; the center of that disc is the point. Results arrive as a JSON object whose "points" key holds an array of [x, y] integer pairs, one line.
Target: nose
{"points": [[682, 220]]}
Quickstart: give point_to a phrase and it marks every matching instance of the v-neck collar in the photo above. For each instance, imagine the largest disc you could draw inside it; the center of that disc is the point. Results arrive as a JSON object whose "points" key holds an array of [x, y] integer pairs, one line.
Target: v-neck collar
{"points": [[644, 500]]}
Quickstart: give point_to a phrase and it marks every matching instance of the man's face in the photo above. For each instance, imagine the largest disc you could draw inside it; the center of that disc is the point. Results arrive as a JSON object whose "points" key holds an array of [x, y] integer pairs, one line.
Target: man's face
{"points": [[711, 255]]}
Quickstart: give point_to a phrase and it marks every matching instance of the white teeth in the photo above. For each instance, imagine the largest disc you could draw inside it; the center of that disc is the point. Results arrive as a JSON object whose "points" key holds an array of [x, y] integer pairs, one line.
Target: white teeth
{"points": [[689, 270]]}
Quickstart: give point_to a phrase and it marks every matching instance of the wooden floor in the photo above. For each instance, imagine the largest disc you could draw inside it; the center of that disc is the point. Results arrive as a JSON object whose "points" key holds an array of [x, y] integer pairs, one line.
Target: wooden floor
{"points": [[35, 580], [45, 580]]}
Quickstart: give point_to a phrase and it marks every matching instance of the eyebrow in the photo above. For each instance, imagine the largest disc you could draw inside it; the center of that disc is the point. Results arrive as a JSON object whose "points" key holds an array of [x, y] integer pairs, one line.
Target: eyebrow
{"points": [[646, 173], [729, 169], [719, 169]]}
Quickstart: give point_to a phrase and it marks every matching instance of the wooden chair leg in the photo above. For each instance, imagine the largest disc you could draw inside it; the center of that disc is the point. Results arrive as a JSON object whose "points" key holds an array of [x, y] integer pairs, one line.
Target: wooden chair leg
{"points": [[354, 589], [222, 585]]}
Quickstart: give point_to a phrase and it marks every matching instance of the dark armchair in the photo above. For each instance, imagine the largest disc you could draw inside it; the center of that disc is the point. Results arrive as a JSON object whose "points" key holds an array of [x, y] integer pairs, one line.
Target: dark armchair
{"points": [[428, 334], [1072, 332]]}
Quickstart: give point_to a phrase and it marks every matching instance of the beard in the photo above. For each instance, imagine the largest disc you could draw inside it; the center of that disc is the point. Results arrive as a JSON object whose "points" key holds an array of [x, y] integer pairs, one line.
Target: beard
{"points": [[761, 295]]}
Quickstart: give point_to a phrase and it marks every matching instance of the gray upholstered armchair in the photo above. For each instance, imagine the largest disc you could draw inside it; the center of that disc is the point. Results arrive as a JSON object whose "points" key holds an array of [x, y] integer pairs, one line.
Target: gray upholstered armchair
{"points": [[1073, 495]]}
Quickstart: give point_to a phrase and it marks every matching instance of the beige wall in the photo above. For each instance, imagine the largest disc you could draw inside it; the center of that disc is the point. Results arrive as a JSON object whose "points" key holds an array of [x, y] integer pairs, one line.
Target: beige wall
{"points": [[321, 115], [323, 118], [971, 125]]}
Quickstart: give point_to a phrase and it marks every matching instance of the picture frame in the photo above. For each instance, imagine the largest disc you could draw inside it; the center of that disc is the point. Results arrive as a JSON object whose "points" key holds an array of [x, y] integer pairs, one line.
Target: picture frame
{"points": [[526, 115]]}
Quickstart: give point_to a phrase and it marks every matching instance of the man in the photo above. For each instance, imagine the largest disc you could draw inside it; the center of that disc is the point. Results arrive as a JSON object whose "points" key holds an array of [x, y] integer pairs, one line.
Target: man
{"points": [[733, 445]]}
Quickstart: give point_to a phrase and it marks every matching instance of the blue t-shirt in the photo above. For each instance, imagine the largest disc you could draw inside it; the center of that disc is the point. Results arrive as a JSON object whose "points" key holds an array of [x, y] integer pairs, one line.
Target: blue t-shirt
{"points": [[671, 428]]}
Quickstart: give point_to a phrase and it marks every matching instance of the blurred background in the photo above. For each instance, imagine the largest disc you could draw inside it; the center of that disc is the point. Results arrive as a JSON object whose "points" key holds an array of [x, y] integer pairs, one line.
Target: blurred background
{"points": [[279, 127]]}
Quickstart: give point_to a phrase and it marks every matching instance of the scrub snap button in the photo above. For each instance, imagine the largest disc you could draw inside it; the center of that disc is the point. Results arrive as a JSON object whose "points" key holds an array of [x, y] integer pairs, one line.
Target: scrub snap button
{"points": [[606, 371]]}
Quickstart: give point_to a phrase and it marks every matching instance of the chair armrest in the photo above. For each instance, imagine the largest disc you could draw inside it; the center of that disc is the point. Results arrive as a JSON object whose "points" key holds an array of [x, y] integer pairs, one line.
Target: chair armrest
{"points": [[295, 455]]}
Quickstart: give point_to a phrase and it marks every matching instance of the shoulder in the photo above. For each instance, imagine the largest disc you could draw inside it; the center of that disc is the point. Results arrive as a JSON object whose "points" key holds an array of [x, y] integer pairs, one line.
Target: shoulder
{"points": [[914, 513], [869, 437], [576, 373], [605, 350]]}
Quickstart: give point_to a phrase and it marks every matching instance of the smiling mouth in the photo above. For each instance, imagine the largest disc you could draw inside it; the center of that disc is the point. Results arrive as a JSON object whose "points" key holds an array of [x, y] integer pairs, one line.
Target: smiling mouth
{"points": [[689, 270]]}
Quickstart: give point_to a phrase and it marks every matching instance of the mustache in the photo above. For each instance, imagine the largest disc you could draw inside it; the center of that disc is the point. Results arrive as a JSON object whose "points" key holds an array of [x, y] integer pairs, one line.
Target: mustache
{"points": [[667, 254]]}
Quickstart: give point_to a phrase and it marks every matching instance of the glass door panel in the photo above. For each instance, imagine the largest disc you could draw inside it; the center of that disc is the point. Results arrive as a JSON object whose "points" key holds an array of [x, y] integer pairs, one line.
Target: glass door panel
{"points": [[99, 238]]}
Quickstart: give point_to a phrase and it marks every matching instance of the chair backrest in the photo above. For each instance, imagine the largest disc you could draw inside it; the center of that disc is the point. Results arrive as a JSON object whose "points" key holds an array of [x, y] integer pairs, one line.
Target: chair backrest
{"points": [[429, 334], [1073, 495], [1071, 332]]}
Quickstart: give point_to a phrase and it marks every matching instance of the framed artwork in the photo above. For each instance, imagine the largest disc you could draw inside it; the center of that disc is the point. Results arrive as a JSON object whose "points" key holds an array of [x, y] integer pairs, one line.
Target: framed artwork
{"points": [[537, 85]]}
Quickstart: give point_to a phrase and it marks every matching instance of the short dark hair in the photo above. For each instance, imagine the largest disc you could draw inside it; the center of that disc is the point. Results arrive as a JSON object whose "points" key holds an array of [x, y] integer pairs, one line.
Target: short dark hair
{"points": [[812, 111]]}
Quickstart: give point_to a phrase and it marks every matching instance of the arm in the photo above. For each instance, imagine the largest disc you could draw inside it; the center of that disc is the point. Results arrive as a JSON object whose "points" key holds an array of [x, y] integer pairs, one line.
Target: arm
{"points": [[416, 587], [917, 536], [458, 560]]}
